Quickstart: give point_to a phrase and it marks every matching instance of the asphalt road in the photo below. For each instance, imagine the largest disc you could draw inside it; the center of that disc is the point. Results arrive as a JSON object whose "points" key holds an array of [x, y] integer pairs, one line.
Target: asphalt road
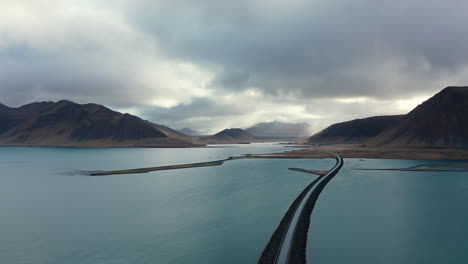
{"points": [[292, 244]]}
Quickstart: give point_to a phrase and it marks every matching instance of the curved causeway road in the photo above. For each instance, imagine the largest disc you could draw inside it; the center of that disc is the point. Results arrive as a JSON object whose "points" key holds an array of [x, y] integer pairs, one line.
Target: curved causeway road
{"points": [[292, 245]]}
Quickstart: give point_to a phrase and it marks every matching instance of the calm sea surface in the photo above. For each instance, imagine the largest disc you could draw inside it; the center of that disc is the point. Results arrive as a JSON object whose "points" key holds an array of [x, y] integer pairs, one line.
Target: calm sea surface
{"points": [[50, 213], [391, 216]]}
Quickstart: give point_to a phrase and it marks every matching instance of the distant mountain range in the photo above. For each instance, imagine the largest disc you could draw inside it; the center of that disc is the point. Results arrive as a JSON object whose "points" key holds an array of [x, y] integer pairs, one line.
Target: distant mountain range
{"points": [[189, 132], [66, 123], [440, 122], [279, 130], [230, 136]]}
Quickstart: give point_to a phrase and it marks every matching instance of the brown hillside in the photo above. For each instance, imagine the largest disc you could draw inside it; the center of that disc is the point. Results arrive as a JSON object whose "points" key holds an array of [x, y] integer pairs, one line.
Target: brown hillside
{"points": [[441, 122], [354, 132], [70, 124]]}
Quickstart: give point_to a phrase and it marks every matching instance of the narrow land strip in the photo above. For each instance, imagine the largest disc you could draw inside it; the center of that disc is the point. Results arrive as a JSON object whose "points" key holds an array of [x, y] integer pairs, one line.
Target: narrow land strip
{"points": [[195, 165], [161, 168], [272, 249], [297, 249], [288, 242], [316, 172]]}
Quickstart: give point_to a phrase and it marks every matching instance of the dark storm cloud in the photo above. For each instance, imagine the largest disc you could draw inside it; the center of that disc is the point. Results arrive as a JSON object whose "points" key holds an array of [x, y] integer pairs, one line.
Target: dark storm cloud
{"points": [[85, 57], [200, 114], [199, 107], [313, 48], [234, 80], [28, 75]]}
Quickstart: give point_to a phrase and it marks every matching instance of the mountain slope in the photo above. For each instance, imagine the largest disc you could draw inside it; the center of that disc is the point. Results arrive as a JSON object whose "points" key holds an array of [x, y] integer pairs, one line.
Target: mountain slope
{"points": [[230, 136], [10, 117], [69, 124], [278, 129], [355, 131], [172, 133], [188, 132], [441, 121]]}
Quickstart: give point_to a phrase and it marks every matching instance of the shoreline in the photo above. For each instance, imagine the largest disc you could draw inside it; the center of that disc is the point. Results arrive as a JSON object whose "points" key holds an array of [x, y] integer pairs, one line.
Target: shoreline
{"points": [[306, 151], [142, 146], [350, 151]]}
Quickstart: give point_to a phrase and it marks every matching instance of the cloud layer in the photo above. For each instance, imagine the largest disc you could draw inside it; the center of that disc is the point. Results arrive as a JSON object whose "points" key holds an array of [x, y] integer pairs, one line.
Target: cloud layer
{"points": [[211, 64]]}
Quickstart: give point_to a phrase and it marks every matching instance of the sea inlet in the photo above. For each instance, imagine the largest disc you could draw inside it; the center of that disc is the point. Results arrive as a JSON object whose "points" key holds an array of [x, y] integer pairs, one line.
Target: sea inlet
{"points": [[52, 212]]}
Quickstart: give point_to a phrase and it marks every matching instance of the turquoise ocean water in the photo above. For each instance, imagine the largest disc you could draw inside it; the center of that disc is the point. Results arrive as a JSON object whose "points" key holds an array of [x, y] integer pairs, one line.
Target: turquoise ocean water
{"points": [[51, 213]]}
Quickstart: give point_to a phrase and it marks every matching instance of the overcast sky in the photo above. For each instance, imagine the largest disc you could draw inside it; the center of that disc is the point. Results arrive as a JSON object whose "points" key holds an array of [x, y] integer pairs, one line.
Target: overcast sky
{"points": [[212, 64]]}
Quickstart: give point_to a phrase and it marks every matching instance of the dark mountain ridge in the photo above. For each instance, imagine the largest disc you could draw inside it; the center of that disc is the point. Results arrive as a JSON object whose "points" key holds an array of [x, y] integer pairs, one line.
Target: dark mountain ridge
{"points": [[439, 122], [66, 123], [234, 133], [230, 136], [355, 131]]}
